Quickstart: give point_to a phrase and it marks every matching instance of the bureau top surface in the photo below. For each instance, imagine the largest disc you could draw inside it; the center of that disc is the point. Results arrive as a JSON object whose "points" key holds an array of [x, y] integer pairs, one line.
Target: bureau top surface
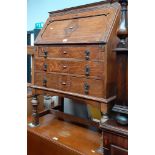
{"points": [[84, 24]]}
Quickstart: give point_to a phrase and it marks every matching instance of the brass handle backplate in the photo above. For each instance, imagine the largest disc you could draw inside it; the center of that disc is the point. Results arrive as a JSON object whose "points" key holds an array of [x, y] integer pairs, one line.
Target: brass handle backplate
{"points": [[45, 67], [87, 70], [45, 54], [87, 54], [86, 88], [44, 82]]}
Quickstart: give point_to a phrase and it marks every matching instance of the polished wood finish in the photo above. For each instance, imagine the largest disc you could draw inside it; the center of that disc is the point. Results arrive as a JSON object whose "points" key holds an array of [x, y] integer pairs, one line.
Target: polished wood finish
{"points": [[29, 104], [80, 25], [122, 79], [73, 66], [115, 138], [96, 53], [67, 117], [31, 50], [81, 53], [71, 83], [115, 150], [74, 55], [55, 137], [122, 57]]}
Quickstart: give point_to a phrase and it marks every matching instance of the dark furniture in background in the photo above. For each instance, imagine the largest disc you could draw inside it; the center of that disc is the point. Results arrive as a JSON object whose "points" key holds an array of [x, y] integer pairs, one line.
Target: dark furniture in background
{"points": [[115, 138], [115, 135]]}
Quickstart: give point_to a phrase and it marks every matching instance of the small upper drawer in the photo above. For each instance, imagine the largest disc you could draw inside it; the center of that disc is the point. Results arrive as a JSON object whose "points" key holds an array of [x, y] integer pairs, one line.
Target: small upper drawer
{"points": [[85, 52]]}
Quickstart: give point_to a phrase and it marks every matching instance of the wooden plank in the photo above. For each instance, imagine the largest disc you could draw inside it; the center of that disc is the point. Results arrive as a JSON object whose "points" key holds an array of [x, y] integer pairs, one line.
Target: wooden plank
{"points": [[92, 98], [74, 119], [44, 112], [30, 50]]}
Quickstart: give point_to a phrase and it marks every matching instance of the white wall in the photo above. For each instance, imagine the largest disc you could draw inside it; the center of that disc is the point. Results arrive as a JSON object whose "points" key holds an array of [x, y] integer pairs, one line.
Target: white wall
{"points": [[37, 10]]}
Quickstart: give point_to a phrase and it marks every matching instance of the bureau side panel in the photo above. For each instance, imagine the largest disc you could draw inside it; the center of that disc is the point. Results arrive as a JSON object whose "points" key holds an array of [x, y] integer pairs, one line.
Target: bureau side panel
{"points": [[110, 60]]}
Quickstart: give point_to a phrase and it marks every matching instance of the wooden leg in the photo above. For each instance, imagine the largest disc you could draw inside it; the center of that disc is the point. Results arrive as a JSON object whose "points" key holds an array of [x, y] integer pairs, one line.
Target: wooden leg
{"points": [[35, 114], [61, 103]]}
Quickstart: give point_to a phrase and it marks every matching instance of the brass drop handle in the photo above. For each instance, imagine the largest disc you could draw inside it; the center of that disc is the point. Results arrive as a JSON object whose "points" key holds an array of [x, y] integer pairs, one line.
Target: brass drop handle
{"points": [[87, 54], [87, 70], [45, 54], [86, 88], [44, 82], [45, 67]]}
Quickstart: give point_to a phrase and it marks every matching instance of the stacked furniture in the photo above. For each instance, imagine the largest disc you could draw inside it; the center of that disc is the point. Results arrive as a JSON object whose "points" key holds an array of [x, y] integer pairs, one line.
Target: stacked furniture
{"points": [[76, 57]]}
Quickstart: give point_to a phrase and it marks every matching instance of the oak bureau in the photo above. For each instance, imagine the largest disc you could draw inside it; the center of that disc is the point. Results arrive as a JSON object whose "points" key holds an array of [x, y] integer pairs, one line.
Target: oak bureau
{"points": [[74, 58]]}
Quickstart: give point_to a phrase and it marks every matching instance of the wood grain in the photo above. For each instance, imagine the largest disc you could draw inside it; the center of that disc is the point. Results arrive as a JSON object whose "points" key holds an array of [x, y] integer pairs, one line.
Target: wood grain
{"points": [[72, 139], [71, 66], [91, 25], [74, 51], [71, 83]]}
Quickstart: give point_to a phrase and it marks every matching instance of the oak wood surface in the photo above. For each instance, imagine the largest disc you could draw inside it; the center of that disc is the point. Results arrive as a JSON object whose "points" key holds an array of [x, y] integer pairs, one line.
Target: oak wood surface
{"points": [[118, 150], [116, 135], [71, 66], [93, 25], [57, 137], [74, 57], [72, 51], [30, 50], [71, 83]]}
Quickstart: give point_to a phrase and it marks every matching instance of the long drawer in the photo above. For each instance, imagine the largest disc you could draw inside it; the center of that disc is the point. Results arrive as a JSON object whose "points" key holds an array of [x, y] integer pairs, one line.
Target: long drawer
{"points": [[76, 67], [70, 83], [85, 52]]}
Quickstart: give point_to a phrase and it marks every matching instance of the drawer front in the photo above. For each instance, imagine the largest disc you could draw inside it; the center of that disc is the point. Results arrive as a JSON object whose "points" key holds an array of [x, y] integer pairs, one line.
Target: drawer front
{"points": [[87, 68], [69, 83], [79, 52]]}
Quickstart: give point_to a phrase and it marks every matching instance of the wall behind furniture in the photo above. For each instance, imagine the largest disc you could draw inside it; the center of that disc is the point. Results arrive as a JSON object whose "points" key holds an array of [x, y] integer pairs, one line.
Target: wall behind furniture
{"points": [[37, 10]]}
